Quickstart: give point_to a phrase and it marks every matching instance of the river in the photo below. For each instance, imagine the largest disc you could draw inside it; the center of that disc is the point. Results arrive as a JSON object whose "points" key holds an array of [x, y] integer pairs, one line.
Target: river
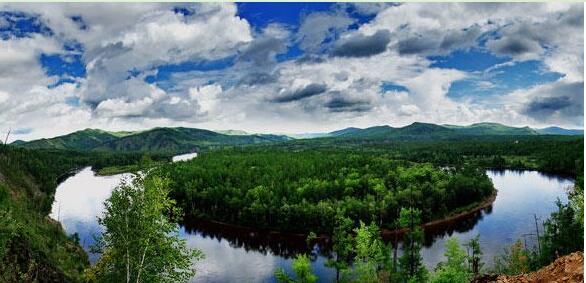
{"points": [[243, 255]]}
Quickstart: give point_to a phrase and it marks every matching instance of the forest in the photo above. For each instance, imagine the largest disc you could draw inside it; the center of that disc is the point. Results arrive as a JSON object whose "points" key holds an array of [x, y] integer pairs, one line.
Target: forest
{"points": [[347, 189], [302, 191]]}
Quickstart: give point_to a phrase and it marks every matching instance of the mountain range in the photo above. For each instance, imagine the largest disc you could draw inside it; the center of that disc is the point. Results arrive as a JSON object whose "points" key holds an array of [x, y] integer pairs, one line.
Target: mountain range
{"points": [[189, 139], [157, 139]]}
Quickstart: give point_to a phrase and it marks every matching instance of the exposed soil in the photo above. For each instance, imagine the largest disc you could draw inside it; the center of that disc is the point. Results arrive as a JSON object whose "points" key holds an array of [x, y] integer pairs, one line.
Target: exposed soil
{"points": [[569, 268]]}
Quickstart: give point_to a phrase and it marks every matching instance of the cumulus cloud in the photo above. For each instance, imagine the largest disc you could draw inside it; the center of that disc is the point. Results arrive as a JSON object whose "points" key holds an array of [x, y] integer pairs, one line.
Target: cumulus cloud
{"points": [[319, 26], [329, 77], [206, 96]]}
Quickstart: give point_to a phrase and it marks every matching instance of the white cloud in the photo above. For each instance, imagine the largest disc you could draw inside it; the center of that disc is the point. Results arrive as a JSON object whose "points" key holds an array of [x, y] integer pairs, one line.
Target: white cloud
{"points": [[346, 89], [206, 96]]}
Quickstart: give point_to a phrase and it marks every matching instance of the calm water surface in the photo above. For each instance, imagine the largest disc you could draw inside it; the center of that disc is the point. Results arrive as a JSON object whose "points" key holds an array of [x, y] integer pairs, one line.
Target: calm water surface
{"points": [[244, 255]]}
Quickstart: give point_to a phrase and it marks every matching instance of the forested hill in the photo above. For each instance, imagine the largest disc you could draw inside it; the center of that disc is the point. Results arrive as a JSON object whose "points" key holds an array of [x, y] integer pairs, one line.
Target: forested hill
{"points": [[425, 130], [154, 140], [179, 140]]}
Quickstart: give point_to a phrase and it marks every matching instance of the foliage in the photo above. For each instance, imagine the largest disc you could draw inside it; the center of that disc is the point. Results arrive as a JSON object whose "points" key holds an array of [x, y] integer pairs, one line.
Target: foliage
{"points": [[518, 152], [33, 247], [455, 269], [169, 140], [274, 188], [411, 262], [515, 260], [563, 234], [342, 244], [141, 242], [370, 255], [474, 255], [302, 269]]}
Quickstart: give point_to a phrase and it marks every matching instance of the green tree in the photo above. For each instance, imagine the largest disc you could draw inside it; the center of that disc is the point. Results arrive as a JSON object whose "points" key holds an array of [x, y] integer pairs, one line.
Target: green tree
{"points": [[563, 234], [454, 269], [370, 254], [411, 262], [341, 244], [140, 242], [302, 269], [474, 254], [514, 260]]}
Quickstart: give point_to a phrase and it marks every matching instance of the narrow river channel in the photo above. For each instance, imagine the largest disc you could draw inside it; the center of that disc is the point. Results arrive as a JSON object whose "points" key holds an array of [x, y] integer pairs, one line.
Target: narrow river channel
{"points": [[240, 255]]}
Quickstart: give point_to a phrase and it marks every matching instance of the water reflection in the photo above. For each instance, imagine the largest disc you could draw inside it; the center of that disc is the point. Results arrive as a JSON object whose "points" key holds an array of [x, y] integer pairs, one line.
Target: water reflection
{"points": [[79, 201], [245, 255]]}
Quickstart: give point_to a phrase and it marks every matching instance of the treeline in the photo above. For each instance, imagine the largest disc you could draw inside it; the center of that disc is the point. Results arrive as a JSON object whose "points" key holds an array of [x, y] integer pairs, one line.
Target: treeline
{"points": [[301, 191], [551, 154]]}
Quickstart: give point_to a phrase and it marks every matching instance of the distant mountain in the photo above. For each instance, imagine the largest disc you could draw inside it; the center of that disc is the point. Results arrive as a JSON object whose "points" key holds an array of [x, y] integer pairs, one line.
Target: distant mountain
{"points": [[419, 130], [188, 139], [80, 140], [560, 131], [157, 139], [492, 129], [346, 131]]}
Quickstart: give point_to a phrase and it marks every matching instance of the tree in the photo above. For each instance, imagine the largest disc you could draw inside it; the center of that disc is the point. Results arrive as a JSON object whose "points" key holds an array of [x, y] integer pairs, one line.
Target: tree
{"points": [[411, 262], [514, 260], [370, 254], [140, 242], [562, 235], [341, 244], [474, 254], [302, 269], [454, 270]]}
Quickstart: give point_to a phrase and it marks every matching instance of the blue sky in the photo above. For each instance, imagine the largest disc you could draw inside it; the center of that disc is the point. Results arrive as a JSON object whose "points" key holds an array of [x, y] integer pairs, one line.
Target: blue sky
{"points": [[288, 67]]}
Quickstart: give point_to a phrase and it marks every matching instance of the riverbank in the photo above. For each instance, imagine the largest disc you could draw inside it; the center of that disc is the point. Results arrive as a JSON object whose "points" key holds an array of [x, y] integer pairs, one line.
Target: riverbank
{"points": [[115, 170], [455, 216]]}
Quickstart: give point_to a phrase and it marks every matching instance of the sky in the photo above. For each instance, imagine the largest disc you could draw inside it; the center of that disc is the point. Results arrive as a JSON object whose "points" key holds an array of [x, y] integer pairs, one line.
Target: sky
{"points": [[288, 67]]}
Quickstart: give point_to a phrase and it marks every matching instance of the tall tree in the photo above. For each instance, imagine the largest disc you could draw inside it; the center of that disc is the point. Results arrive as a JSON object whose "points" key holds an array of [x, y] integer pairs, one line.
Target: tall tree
{"points": [[474, 254], [370, 254], [140, 242], [411, 262], [341, 244]]}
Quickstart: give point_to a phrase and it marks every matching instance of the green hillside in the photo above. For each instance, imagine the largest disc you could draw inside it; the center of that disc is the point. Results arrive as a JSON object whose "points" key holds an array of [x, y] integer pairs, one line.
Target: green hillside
{"points": [[33, 247], [154, 140], [80, 140], [492, 129], [417, 131], [179, 140]]}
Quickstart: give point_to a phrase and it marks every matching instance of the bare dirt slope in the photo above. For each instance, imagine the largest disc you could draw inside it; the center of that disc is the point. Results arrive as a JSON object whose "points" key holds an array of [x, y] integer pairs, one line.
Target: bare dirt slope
{"points": [[569, 268]]}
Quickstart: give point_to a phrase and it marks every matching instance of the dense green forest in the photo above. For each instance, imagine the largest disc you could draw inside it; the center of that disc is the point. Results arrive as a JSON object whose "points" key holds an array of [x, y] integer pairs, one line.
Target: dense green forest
{"points": [[360, 255], [311, 185], [497, 152], [301, 191]]}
